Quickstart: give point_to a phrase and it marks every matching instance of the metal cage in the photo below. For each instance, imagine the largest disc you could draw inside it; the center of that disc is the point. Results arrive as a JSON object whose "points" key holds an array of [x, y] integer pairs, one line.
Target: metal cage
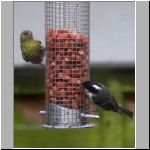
{"points": [[67, 64]]}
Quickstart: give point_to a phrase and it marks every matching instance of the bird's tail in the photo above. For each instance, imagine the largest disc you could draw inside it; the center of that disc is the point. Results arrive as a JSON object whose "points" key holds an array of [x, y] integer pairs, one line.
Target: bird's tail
{"points": [[125, 111]]}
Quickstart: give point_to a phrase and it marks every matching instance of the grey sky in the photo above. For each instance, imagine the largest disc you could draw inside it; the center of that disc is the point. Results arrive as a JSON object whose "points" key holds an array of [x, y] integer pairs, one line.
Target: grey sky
{"points": [[112, 29]]}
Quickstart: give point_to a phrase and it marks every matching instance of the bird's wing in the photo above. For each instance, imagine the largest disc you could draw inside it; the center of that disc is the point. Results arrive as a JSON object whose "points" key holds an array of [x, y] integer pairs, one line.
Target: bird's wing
{"points": [[102, 102], [43, 48], [107, 101], [114, 101], [101, 85], [39, 41]]}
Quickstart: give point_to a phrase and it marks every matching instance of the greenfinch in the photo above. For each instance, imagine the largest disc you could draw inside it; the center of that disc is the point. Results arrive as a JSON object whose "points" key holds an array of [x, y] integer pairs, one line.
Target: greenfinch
{"points": [[32, 50]]}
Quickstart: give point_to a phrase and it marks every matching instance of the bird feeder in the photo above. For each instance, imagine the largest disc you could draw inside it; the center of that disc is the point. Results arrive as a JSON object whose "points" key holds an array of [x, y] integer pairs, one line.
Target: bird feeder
{"points": [[67, 64]]}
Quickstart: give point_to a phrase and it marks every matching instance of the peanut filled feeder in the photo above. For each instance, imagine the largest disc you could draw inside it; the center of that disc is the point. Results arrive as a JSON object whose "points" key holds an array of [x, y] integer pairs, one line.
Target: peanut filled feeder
{"points": [[67, 65]]}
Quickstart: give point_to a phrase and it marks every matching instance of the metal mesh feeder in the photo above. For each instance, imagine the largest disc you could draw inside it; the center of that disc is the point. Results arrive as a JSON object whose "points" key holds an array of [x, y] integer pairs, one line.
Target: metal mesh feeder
{"points": [[67, 64]]}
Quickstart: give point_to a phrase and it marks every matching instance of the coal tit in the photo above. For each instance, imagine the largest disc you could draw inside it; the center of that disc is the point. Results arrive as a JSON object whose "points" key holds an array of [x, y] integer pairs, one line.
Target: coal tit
{"points": [[102, 97]]}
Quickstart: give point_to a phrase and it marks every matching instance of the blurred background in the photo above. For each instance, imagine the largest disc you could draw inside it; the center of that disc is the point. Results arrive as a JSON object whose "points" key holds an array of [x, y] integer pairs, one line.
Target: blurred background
{"points": [[112, 58]]}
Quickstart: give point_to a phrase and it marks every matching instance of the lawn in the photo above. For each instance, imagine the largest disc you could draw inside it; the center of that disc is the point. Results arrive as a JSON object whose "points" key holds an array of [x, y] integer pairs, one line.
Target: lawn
{"points": [[112, 130]]}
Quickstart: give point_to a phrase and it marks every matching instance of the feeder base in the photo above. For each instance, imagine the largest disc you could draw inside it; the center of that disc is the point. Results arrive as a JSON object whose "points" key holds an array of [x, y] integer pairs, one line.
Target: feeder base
{"points": [[88, 125]]}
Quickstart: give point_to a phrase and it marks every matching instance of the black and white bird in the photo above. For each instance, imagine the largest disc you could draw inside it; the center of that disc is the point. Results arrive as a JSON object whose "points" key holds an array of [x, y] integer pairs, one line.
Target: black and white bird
{"points": [[102, 97]]}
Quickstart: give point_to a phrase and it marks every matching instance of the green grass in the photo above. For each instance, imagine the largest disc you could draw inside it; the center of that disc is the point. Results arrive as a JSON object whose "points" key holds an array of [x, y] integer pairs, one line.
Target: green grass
{"points": [[103, 136], [55, 138], [112, 131]]}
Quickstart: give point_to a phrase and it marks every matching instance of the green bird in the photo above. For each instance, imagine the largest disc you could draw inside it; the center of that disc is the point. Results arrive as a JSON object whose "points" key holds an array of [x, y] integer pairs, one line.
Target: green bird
{"points": [[32, 50]]}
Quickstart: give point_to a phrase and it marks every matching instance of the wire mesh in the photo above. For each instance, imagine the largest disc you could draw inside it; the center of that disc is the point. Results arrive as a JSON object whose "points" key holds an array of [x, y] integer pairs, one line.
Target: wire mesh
{"points": [[67, 62]]}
